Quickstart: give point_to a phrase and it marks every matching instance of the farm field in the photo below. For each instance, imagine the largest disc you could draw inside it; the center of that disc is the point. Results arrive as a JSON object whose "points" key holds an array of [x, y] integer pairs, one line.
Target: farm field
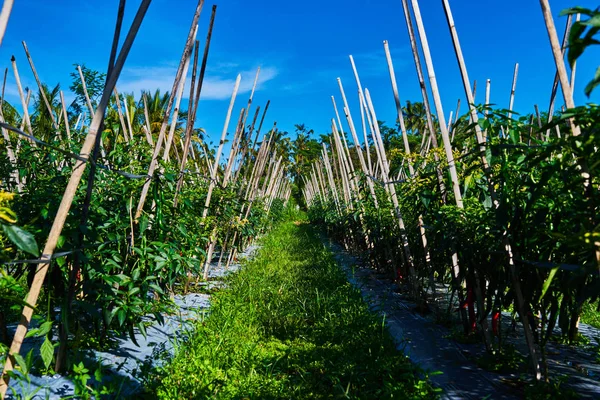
{"points": [[175, 240]]}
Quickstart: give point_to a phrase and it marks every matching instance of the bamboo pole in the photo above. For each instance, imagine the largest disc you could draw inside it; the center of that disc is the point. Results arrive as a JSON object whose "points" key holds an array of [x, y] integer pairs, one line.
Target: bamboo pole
{"points": [[512, 91], [556, 78], [438, 104], [4, 16], [121, 117], [399, 113], [67, 200], [365, 138], [211, 186], [85, 91], [24, 102], [128, 116], [65, 115], [559, 61], [361, 158], [392, 189], [161, 135], [39, 84]]}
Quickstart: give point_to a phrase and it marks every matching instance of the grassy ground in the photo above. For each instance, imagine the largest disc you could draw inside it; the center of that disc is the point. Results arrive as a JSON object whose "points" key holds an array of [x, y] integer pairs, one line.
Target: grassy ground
{"points": [[289, 326]]}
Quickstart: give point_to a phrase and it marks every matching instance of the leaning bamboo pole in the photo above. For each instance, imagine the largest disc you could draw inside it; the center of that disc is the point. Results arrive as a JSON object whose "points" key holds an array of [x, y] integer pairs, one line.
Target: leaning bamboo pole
{"points": [[213, 177], [4, 16], [513, 88], [41, 87], [88, 102], [121, 117], [67, 199], [24, 102], [361, 158], [159, 141]]}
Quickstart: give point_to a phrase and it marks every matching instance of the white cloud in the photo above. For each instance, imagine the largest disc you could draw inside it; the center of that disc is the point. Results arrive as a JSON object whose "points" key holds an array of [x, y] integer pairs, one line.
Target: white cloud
{"points": [[218, 82]]}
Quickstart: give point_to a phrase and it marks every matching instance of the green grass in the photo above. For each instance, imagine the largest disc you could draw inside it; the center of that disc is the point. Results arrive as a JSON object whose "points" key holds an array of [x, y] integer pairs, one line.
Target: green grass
{"points": [[290, 326]]}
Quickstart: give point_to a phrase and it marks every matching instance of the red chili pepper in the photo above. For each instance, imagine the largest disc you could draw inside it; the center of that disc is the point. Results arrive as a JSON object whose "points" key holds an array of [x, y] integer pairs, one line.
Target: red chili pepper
{"points": [[495, 320], [471, 305]]}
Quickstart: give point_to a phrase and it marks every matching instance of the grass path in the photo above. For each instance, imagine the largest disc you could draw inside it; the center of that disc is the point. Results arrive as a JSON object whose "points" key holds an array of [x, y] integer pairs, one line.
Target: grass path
{"points": [[290, 326]]}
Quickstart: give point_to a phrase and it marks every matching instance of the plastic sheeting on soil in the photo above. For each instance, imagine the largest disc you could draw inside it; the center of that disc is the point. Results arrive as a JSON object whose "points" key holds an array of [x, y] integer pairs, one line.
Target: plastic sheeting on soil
{"points": [[124, 365]]}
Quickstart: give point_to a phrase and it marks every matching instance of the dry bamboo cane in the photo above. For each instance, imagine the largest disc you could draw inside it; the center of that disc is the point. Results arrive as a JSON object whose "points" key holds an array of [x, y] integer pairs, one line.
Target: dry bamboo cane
{"points": [[213, 238], [163, 129], [121, 117], [332, 186], [85, 91], [400, 115], [438, 104], [424, 95], [24, 102], [175, 117], [190, 124], [337, 114], [442, 123], [392, 189], [262, 119], [512, 91], [4, 16], [237, 137], [365, 138], [148, 127], [361, 158], [556, 78], [67, 200], [211, 186], [488, 87], [348, 168], [128, 117], [42, 91], [399, 112]]}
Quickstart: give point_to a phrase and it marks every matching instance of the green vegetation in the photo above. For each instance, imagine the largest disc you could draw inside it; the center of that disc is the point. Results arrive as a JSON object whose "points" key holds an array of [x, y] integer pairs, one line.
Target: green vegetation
{"points": [[289, 325]]}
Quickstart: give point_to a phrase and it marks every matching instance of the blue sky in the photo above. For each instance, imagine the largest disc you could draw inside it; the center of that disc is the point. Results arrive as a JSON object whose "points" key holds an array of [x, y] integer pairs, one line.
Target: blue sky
{"points": [[302, 48]]}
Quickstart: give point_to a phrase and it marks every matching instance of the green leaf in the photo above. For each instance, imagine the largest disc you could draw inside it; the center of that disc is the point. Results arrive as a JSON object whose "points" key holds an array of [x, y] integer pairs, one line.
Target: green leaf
{"points": [[121, 315], [22, 239], [21, 363], [547, 282], [47, 352], [593, 83]]}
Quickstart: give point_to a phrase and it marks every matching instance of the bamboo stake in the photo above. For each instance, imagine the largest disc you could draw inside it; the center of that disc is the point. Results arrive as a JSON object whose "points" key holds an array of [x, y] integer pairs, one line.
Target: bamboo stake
{"points": [[438, 104], [559, 61], [4, 16], [148, 127], [24, 103], [65, 115], [121, 118], [399, 112], [211, 186], [163, 129], [67, 200], [364, 129], [42, 91], [125, 105], [512, 91], [361, 158], [85, 91], [556, 78], [392, 189]]}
